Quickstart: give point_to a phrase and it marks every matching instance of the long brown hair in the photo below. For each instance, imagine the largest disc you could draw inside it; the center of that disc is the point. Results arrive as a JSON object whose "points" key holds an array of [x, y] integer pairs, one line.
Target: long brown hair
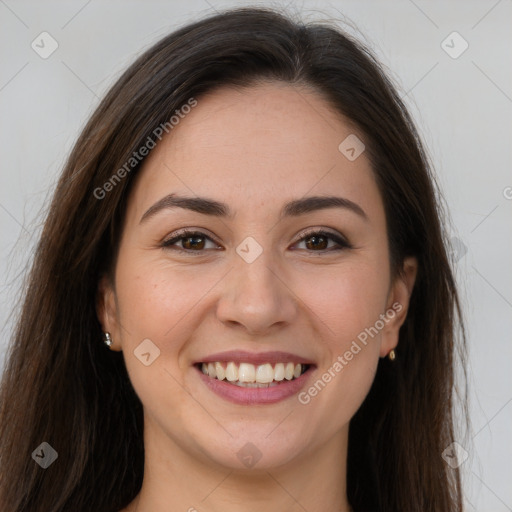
{"points": [[62, 386]]}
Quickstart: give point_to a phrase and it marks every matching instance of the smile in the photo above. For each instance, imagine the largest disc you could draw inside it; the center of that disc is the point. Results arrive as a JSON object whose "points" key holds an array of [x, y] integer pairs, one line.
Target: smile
{"points": [[252, 376], [246, 378]]}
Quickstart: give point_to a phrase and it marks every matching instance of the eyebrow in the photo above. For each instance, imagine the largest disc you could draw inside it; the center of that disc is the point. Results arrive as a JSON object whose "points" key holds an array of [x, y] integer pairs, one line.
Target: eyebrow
{"points": [[294, 208]]}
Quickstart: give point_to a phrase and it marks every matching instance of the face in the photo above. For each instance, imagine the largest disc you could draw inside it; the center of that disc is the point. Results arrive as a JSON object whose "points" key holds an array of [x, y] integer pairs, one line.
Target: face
{"points": [[266, 279]]}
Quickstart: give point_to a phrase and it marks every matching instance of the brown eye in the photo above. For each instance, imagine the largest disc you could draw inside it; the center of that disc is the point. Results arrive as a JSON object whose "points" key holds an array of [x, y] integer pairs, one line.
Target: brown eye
{"points": [[318, 241], [192, 241], [196, 241]]}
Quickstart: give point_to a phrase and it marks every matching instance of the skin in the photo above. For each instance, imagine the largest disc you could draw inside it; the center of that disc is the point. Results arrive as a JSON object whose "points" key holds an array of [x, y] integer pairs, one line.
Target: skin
{"points": [[254, 149]]}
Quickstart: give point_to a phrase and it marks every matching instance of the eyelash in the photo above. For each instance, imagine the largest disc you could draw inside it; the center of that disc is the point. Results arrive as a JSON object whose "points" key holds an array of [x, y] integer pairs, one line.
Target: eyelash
{"points": [[186, 233]]}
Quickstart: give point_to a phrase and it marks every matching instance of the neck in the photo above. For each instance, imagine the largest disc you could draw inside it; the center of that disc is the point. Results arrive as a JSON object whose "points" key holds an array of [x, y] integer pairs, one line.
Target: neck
{"points": [[176, 480]]}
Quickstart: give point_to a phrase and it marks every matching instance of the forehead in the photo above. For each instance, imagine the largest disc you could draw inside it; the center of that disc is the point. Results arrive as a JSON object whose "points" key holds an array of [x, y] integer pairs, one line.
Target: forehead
{"points": [[256, 145]]}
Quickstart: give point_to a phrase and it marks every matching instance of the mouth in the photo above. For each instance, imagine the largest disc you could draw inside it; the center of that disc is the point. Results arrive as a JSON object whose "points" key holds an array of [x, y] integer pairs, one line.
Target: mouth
{"points": [[252, 379], [248, 375]]}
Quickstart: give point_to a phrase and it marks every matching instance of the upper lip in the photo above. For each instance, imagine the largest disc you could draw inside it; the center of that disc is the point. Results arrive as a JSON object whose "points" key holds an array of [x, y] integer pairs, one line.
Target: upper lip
{"points": [[256, 358]]}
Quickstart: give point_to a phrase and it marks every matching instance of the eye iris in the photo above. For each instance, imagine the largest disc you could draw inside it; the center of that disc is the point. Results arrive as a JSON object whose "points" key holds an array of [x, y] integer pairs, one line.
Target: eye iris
{"points": [[315, 239], [195, 239]]}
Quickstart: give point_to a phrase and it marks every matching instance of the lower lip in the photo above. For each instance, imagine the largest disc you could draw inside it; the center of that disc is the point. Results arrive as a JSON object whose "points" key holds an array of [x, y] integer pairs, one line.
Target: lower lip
{"points": [[250, 396]]}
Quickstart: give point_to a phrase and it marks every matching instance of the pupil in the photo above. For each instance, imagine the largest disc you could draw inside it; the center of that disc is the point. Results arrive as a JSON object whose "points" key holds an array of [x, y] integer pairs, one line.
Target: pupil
{"points": [[315, 243], [194, 241]]}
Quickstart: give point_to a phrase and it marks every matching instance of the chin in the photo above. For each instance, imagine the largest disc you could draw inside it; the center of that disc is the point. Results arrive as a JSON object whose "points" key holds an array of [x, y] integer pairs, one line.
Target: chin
{"points": [[253, 447]]}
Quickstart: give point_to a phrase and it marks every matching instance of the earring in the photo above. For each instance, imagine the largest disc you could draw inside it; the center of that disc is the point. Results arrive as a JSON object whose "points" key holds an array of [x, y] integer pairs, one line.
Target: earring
{"points": [[392, 355], [107, 339]]}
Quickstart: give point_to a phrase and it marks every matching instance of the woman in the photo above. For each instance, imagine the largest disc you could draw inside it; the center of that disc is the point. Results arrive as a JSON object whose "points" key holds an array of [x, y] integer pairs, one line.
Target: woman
{"points": [[241, 299]]}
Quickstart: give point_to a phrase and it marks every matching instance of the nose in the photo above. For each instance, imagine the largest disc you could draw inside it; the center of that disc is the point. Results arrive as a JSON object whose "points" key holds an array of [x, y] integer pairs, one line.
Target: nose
{"points": [[258, 296]]}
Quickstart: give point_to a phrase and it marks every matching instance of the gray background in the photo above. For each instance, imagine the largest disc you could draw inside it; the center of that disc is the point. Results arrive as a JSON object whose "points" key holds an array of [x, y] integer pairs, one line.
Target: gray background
{"points": [[462, 106]]}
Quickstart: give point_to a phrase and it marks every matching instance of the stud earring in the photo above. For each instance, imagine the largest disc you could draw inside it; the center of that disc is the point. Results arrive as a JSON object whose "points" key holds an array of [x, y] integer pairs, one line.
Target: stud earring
{"points": [[392, 355], [107, 339]]}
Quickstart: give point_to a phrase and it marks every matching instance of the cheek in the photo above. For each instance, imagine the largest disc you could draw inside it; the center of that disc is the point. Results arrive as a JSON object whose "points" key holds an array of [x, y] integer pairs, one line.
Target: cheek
{"points": [[347, 302], [347, 299], [158, 303], [157, 299]]}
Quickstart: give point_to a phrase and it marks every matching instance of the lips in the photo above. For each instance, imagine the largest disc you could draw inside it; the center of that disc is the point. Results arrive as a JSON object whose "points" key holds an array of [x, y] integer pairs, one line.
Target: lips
{"points": [[249, 378], [241, 356]]}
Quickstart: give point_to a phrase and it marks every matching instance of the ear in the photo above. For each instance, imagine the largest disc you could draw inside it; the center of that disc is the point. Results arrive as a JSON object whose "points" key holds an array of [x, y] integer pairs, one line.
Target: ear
{"points": [[106, 309], [398, 305]]}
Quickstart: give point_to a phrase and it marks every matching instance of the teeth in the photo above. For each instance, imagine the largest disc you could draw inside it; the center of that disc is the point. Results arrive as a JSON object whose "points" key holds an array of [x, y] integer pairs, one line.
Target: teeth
{"points": [[248, 375], [220, 373], [264, 373], [231, 372], [246, 372], [279, 372], [255, 384], [288, 371]]}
